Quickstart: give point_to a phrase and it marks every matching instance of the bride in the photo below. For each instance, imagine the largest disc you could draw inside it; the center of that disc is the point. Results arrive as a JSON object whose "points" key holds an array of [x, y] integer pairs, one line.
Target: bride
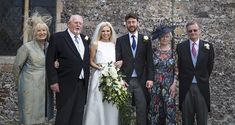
{"points": [[102, 51]]}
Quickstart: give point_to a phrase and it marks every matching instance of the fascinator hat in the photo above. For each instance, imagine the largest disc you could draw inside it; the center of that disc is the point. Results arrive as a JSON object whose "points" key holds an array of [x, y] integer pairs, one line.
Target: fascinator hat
{"points": [[161, 31], [39, 15]]}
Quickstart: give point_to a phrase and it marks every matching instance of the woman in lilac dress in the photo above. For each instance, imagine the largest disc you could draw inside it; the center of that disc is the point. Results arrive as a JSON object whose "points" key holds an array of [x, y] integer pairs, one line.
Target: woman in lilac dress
{"points": [[162, 107]]}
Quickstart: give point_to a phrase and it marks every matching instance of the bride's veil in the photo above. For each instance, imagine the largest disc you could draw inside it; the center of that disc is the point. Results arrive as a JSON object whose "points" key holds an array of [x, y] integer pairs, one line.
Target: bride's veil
{"points": [[97, 33]]}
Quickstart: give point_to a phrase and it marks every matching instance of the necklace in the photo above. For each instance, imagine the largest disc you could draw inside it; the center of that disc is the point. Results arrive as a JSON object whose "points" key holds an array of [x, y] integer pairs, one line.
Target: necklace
{"points": [[164, 49]]}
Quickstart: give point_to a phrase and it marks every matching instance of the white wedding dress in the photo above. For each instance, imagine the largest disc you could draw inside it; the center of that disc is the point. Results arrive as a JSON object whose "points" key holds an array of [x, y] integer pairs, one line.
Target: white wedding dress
{"points": [[98, 112]]}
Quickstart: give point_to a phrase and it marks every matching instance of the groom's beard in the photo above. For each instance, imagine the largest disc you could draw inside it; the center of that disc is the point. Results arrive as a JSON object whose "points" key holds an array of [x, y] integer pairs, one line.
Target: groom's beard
{"points": [[132, 29]]}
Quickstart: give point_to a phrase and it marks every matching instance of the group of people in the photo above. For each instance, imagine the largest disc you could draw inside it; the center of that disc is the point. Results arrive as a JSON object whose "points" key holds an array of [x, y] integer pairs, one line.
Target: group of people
{"points": [[151, 74]]}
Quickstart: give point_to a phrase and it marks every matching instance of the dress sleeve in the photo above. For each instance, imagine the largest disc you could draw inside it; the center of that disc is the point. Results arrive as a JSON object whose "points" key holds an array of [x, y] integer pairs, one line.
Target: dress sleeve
{"points": [[176, 71], [20, 60]]}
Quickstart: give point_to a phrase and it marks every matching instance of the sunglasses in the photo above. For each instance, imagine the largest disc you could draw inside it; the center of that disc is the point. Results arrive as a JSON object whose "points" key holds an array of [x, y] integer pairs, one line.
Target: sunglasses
{"points": [[194, 30]]}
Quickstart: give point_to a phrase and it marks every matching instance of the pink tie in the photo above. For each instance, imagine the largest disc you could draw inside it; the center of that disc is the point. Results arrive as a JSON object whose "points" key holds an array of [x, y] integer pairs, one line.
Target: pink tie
{"points": [[194, 51]]}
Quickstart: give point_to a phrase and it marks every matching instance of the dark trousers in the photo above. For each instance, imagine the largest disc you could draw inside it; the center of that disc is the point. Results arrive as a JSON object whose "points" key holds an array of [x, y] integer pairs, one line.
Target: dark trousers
{"points": [[194, 105], [72, 112], [139, 100]]}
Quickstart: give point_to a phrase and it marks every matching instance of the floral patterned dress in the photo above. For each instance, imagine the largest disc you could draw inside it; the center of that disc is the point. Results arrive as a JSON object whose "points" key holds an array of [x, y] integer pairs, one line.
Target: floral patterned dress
{"points": [[162, 108]]}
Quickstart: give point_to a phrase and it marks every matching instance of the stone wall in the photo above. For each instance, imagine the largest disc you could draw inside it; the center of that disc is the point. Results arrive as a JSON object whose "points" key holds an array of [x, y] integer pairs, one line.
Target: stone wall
{"points": [[8, 92], [216, 17], [218, 27]]}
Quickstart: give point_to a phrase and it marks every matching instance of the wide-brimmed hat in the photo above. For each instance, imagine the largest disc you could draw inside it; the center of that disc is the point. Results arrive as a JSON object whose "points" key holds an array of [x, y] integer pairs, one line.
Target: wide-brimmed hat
{"points": [[161, 31]]}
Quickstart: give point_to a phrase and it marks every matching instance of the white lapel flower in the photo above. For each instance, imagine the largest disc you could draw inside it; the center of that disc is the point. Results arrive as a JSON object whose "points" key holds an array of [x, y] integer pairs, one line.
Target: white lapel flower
{"points": [[207, 46], [146, 38], [86, 38]]}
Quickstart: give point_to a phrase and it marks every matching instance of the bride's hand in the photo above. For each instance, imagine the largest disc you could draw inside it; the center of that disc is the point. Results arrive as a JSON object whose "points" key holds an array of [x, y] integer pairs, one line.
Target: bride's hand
{"points": [[99, 66]]}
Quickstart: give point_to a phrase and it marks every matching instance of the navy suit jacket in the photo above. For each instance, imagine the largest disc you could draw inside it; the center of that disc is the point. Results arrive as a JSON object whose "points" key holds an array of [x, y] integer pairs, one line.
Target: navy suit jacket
{"points": [[62, 47], [201, 71], [142, 62]]}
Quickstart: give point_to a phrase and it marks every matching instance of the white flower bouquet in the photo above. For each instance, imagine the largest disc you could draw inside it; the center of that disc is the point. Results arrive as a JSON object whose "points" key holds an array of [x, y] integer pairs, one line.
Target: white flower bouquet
{"points": [[112, 85], [114, 90]]}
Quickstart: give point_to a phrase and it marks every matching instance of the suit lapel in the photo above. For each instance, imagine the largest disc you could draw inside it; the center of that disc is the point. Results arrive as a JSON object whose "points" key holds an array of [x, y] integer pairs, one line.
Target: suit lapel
{"points": [[128, 45], [199, 57], [70, 43], [140, 42], [86, 46], [189, 56]]}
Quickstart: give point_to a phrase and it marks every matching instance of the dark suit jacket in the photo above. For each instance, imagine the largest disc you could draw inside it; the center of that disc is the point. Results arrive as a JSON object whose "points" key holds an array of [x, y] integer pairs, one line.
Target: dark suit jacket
{"points": [[61, 47], [143, 61], [202, 71]]}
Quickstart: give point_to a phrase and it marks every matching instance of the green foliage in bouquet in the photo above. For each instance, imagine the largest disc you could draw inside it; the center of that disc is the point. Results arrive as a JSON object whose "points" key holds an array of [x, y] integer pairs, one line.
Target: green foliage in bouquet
{"points": [[127, 113], [114, 91]]}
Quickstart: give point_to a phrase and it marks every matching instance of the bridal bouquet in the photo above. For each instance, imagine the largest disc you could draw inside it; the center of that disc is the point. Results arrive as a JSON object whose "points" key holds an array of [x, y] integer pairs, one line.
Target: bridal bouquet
{"points": [[115, 91], [112, 85]]}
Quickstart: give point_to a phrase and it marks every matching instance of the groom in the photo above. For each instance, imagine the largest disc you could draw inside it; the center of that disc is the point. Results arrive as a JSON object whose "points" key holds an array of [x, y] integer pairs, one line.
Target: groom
{"points": [[135, 54]]}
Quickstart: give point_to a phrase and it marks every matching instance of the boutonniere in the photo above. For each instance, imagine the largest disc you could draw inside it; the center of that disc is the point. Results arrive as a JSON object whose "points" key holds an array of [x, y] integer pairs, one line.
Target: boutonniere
{"points": [[86, 38], [146, 38], [207, 46]]}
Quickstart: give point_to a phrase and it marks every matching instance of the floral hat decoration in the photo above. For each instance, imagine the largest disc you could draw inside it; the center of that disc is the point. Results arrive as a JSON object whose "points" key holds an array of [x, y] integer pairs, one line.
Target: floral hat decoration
{"points": [[161, 31]]}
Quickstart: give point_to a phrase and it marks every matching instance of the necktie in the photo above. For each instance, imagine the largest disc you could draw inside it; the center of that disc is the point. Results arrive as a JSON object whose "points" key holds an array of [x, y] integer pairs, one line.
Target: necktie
{"points": [[76, 39], [133, 42], [81, 76], [194, 51], [78, 46]]}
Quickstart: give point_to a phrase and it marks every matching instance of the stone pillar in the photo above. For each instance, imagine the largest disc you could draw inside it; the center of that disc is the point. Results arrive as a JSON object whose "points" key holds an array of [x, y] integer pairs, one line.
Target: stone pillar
{"points": [[59, 9], [26, 15]]}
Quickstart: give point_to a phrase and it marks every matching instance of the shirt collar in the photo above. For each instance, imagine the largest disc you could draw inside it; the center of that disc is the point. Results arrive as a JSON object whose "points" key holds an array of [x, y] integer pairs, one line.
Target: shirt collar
{"points": [[72, 35], [136, 35], [197, 42]]}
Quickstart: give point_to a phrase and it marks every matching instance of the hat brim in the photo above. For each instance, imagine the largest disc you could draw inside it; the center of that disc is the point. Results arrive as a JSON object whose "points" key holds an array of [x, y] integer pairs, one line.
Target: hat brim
{"points": [[160, 33]]}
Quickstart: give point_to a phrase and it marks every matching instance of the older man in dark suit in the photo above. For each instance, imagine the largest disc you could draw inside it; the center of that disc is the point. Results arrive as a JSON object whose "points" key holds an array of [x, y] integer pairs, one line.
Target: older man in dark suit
{"points": [[70, 80], [134, 52], [195, 63]]}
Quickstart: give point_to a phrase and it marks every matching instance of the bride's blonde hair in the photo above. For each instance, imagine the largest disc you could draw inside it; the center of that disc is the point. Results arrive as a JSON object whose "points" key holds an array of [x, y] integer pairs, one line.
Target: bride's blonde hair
{"points": [[97, 34]]}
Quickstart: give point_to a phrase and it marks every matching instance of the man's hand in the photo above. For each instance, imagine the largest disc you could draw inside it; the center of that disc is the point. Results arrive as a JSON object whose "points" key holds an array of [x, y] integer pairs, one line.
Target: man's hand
{"points": [[118, 64], [125, 84], [172, 90], [56, 64], [149, 84], [55, 87]]}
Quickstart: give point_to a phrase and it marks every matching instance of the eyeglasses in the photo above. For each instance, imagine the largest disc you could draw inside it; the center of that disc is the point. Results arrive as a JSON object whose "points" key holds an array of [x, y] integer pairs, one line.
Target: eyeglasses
{"points": [[194, 30]]}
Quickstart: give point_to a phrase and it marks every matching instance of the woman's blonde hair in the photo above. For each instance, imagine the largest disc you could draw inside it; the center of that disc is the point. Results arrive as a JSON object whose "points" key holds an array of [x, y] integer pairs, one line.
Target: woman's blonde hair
{"points": [[97, 33], [32, 22], [38, 26]]}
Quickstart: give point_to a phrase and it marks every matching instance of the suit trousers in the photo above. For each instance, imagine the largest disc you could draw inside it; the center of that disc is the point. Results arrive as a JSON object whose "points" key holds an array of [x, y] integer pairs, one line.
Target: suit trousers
{"points": [[72, 112], [139, 100], [194, 105]]}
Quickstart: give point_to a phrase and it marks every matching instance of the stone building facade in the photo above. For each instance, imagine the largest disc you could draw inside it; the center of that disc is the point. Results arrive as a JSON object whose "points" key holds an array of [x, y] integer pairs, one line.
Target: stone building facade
{"points": [[216, 17]]}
